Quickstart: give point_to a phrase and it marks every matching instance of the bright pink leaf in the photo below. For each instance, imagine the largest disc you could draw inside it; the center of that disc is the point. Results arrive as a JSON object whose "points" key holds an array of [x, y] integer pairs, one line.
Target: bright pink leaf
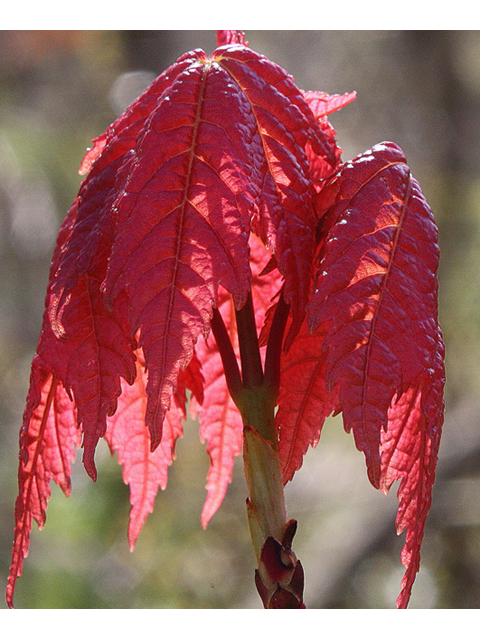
{"points": [[143, 470], [323, 104], [92, 154], [220, 421]]}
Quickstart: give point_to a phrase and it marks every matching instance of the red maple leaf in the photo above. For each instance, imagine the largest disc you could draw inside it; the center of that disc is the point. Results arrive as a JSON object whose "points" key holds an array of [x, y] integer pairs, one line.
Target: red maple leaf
{"points": [[211, 198]]}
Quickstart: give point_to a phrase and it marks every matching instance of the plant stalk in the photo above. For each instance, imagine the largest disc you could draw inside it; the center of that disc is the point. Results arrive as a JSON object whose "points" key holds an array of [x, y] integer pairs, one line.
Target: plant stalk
{"points": [[279, 577]]}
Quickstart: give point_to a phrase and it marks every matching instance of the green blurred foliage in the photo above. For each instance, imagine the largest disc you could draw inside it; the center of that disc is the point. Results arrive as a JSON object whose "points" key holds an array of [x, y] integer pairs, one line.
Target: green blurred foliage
{"points": [[420, 89]]}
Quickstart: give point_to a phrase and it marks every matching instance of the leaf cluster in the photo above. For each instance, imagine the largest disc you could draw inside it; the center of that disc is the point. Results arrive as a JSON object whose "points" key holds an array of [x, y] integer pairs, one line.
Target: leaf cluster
{"points": [[222, 186]]}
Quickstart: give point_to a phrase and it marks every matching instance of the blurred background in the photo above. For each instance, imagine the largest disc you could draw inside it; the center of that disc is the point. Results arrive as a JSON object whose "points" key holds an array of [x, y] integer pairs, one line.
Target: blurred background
{"points": [[421, 89]]}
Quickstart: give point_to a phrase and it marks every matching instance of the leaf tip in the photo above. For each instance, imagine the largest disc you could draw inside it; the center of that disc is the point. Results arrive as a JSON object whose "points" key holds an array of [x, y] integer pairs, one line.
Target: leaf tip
{"points": [[133, 533], [92, 154], [89, 465], [9, 601], [231, 37]]}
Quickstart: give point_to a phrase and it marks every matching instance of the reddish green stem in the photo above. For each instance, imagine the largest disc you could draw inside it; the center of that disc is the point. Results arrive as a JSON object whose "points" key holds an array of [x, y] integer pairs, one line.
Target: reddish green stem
{"points": [[229, 359], [252, 372], [274, 346]]}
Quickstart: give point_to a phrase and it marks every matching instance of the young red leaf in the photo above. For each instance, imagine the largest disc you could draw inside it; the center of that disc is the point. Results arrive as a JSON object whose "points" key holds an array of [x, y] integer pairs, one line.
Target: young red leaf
{"points": [[159, 244], [87, 232], [376, 302], [89, 358], [285, 123], [220, 421], [304, 401], [81, 352], [376, 289], [409, 452], [322, 104], [48, 440], [174, 244], [145, 471]]}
